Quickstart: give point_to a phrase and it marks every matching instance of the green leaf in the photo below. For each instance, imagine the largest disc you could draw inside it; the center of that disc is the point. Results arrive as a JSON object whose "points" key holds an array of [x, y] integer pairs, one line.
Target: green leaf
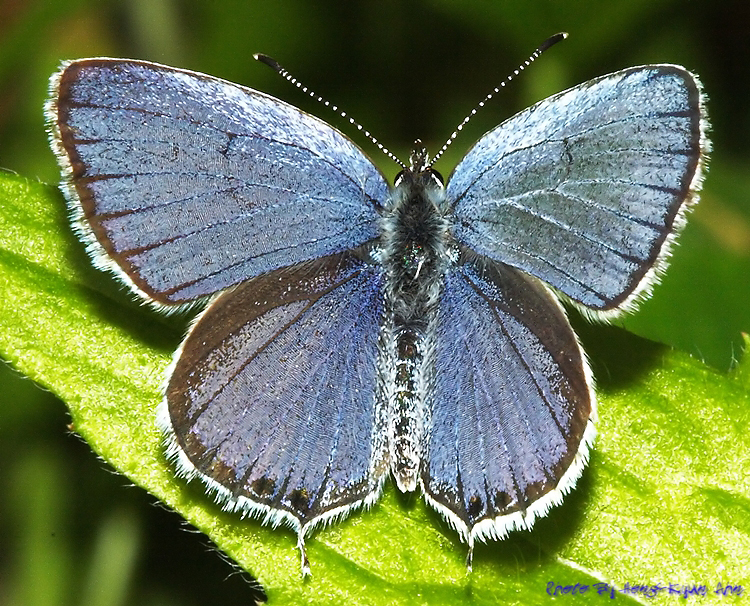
{"points": [[666, 497]]}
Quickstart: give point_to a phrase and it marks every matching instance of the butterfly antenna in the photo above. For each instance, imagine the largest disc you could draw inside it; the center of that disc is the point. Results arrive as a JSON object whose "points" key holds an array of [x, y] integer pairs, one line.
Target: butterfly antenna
{"points": [[273, 64], [545, 45]]}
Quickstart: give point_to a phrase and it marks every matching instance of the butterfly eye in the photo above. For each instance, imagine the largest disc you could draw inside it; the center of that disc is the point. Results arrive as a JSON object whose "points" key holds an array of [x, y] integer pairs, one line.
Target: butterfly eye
{"points": [[437, 178]]}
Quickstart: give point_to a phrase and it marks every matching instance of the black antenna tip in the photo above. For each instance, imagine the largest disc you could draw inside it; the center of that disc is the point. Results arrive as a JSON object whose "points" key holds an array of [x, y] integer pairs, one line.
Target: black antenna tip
{"points": [[270, 62], [552, 40]]}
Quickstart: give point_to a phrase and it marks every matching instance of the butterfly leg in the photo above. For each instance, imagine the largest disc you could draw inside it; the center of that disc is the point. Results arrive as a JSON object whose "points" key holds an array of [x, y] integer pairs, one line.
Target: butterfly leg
{"points": [[470, 555], [304, 561]]}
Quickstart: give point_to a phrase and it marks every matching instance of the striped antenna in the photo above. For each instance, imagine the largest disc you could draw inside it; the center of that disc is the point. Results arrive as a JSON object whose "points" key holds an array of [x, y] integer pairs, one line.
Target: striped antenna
{"points": [[545, 45], [273, 64]]}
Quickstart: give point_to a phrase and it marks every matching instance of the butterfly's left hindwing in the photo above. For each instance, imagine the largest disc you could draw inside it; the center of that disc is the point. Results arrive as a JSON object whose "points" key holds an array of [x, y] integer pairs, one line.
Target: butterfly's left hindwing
{"points": [[272, 399], [512, 406], [185, 184]]}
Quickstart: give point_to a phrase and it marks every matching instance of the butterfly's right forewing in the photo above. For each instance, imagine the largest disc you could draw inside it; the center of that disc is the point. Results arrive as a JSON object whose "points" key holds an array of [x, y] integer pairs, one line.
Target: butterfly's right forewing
{"points": [[586, 189]]}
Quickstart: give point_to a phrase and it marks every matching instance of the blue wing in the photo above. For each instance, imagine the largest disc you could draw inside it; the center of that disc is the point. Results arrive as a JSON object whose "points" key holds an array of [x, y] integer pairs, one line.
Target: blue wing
{"points": [[584, 188], [192, 184], [512, 410], [272, 400]]}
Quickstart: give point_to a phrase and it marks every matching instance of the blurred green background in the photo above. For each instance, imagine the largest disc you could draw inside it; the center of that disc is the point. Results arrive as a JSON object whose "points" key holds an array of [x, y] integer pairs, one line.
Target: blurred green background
{"points": [[70, 531]]}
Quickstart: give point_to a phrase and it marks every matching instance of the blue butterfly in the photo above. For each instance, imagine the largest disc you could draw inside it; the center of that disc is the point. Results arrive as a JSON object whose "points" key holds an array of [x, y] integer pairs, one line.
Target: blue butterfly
{"points": [[357, 331]]}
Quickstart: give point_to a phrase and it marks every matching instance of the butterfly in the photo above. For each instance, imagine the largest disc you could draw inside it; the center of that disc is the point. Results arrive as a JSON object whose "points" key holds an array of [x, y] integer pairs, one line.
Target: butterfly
{"points": [[356, 331]]}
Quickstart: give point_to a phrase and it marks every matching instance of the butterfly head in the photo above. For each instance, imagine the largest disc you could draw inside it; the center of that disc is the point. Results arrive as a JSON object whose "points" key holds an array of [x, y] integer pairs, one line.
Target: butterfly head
{"points": [[419, 171]]}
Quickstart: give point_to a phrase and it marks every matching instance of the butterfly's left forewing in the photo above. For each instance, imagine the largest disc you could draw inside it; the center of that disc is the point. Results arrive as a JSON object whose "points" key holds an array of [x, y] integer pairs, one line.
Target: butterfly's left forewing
{"points": [[185, 184], [512, 408]]}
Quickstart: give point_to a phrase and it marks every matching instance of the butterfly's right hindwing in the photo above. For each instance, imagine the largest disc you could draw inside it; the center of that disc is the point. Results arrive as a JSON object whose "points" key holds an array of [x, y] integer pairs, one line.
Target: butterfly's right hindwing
{"points": [[512, 408]]}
